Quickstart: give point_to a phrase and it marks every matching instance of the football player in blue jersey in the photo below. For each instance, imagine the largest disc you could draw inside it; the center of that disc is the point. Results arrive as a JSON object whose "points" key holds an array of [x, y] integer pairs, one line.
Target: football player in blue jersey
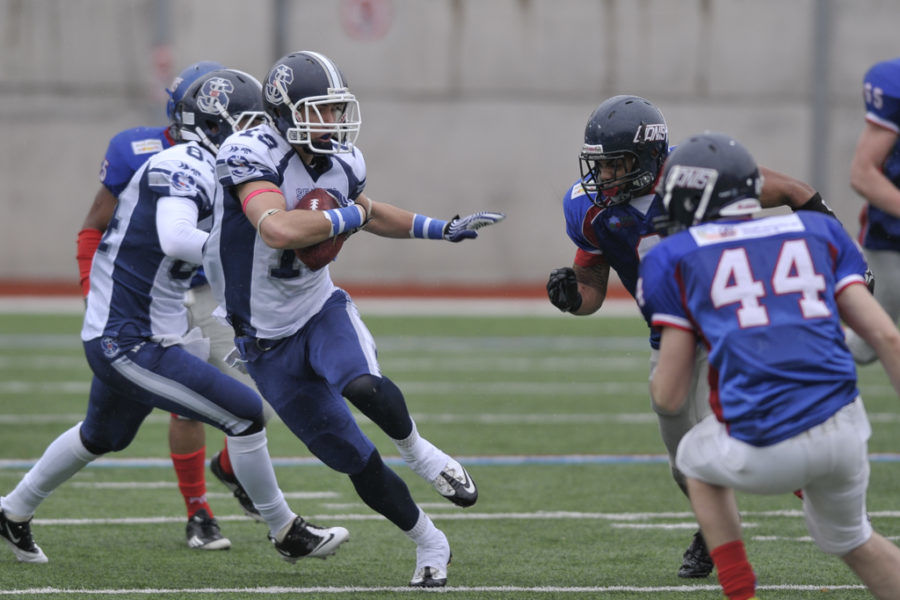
{"points": [[766, 298], [127, 151], [136, 334], [301, 337], [875, 175], [610, 215]]}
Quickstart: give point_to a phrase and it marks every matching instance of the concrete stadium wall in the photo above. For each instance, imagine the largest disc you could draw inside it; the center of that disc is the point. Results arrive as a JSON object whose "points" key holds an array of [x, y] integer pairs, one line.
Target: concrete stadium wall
{"points": [[466, 104]]}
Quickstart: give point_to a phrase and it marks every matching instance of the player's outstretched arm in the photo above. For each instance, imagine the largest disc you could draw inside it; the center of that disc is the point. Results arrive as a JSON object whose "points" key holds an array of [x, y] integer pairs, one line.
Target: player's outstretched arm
{"points": [[394, 222], [862, 313]]}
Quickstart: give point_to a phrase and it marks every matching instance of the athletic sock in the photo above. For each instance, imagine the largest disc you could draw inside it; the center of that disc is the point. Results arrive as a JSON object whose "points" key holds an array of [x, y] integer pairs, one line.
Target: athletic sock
{"points": [[225, 460], [735, 573], [192, 481], [253, 468], [64, 457], [424, 458]]}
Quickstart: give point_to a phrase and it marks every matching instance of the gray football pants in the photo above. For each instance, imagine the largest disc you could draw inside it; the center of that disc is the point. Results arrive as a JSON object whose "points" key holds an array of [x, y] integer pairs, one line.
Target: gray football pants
{"points": [[673, 426], [885, 265]]}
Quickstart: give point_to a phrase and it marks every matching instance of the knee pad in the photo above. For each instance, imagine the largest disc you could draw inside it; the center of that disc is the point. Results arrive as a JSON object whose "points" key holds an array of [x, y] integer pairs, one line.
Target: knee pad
{"points": [[94, 448], [380, 400], [340, 454], [257, 426]]}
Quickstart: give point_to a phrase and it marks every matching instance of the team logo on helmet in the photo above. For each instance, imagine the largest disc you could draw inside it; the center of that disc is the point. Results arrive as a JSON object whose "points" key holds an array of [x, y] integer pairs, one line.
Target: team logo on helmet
{"points": [[651, 132], [214, 92], [282, 74]]}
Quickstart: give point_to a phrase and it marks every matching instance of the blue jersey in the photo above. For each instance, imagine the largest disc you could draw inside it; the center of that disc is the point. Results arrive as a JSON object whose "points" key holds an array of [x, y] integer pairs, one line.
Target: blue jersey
{"points": [[269, 293], [881, 92], [761, 295], [135, 287], [128, 150], [619, 235]]}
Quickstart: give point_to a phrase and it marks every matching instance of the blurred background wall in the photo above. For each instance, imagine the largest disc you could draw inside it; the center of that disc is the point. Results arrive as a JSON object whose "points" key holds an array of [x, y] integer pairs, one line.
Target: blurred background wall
{"points": [[466, 104]]}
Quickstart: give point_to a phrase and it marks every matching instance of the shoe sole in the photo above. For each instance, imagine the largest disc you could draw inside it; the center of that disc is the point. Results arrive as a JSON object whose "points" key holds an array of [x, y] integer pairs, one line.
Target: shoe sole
{"points": [[220, 544], [26, 557]]}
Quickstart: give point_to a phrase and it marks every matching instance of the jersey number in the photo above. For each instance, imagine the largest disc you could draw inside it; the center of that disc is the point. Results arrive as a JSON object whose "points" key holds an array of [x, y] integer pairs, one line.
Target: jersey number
{"points": [[734, 283]]}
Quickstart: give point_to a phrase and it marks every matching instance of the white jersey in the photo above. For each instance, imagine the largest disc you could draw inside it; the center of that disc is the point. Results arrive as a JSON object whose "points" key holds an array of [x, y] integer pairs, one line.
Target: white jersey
{"points": [[269, 293], [133, 283]]}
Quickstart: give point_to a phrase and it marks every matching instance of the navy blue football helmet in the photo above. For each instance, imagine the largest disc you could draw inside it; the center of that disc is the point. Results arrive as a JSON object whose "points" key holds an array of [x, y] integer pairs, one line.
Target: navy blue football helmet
{"points": [[709, 176], [184, 80], [629, 131], [218, 104], [306, 95]]}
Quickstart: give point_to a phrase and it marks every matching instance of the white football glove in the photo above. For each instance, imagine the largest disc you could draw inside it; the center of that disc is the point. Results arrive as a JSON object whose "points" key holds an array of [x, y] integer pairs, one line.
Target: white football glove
{"points": [[459, 228]]}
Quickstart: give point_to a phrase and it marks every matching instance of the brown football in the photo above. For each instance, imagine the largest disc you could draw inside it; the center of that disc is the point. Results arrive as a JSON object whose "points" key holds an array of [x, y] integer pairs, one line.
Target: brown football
{"points": [[318, 255]]}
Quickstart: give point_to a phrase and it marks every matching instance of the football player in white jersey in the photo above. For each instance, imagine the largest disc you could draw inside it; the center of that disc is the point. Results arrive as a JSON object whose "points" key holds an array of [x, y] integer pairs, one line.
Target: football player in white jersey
{"points": [[136, 335], [302, 338], [127, 151]]}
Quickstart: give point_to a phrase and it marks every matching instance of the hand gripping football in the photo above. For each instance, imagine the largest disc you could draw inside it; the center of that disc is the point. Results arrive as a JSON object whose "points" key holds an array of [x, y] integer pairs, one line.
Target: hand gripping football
{"points": [[318, 255]]}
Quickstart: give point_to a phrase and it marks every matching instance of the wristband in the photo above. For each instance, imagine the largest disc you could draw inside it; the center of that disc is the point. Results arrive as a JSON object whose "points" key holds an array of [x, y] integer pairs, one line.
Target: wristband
{"points": [[427, 228], [346, 218], [816, 204], [256, 193], [268, 213]]}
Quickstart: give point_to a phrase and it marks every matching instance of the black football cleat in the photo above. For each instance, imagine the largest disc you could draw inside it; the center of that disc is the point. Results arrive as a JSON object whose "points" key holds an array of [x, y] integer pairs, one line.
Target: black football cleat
{"points": [[203, 533], [231, 482], [456, 485], [304, 539], [696, 562]]}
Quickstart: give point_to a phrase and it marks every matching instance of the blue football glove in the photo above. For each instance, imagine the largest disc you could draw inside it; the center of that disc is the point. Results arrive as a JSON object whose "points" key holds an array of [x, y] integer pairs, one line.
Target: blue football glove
{"points": [[459, 228]]}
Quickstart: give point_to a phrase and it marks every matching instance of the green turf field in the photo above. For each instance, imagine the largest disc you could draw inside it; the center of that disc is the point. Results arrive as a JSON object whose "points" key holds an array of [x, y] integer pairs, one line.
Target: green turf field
{"points": [[550, 415]]}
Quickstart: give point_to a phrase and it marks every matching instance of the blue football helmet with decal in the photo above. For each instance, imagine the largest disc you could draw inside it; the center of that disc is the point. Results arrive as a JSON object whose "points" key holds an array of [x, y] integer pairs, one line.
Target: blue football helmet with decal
{"points": [[184, 80], [218, 104], [631, 132], [310, 103], [709, 176]]}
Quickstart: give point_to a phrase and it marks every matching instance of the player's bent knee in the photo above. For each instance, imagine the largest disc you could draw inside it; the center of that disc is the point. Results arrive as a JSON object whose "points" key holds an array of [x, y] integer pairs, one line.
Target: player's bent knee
{"points": [[96, 448], [340, 454], [255, 427]]}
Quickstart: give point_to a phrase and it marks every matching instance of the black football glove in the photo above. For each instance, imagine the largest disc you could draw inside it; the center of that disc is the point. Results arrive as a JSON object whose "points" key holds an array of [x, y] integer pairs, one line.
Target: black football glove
{"points": [[870, 280], [562, 288]]}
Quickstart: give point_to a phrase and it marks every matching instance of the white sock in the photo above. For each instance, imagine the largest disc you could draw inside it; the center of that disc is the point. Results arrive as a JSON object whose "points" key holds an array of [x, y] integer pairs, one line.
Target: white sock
{"points": [[424, 458], [252, 466], [423, 530], [64, 457], [432, 548]]}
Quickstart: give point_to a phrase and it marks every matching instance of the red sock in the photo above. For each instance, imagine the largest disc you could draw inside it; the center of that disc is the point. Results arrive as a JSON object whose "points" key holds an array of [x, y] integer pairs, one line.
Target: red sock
{"points": [[224, 460], [191, 480], [735, 573]]}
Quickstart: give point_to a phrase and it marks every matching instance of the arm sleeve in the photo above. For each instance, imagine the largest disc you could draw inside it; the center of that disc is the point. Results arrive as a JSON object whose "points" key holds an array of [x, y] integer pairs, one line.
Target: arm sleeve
{"points": [[176, 225]]}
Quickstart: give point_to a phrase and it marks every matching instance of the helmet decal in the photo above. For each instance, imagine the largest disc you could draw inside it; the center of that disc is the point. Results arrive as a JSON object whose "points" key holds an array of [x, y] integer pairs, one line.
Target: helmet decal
{"points": [[283, 75], [213, 96]]}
